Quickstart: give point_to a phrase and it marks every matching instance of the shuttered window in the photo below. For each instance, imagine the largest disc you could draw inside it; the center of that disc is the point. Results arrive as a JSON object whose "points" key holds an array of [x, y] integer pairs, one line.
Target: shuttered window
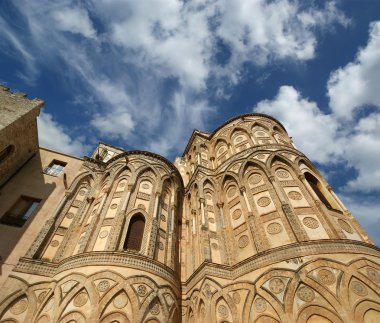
{"points": [[135, 233], [20, 212]]}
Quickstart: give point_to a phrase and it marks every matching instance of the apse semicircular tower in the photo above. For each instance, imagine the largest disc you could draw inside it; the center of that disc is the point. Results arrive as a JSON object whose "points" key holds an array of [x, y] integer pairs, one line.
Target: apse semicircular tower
{"points": [[270, 240]]}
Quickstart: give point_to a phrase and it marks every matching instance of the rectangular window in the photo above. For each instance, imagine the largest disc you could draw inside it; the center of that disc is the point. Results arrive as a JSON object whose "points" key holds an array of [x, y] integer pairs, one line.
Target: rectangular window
{"points": [[20, 212], [55, 168]]}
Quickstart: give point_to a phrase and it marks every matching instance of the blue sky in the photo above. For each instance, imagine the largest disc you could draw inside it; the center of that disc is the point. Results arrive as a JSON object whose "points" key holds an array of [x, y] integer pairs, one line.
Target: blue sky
{"points": [[144, 74]]}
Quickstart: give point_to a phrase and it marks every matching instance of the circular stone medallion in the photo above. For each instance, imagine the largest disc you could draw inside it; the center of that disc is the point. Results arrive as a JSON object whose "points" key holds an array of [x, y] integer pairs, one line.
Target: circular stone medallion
{"points": [[19, 307], [276, 285], [359, 289], [103, 234], [155, 309], [260, 304], [231, 192], [70, 215], [54, 243], [373, 274], [345, 226], [261, 156], [282, 174], [261, 134], [214, 246], [239, 139], [82, 192], [141, 290], [263, 201], [113, 206], [223, 310], [274, 228], [211, 220], [160, 246], [326, 277], [41, 297], [243, 241], [145, 186], [236, 297], [236, 214], [141, 206], [310, 222], [306, 294], [163, 218], [294, 195], [103, 285], [120, 301], [255, 179], [81, 299], [122, 185]]}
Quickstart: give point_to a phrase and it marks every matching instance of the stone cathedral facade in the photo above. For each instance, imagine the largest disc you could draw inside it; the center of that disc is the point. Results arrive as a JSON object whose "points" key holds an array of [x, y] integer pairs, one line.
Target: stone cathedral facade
{"points": [[241, 228]]}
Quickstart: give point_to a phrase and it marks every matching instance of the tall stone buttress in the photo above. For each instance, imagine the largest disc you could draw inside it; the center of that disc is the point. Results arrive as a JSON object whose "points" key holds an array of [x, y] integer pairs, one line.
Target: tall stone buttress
{"points": [[242, 229]]}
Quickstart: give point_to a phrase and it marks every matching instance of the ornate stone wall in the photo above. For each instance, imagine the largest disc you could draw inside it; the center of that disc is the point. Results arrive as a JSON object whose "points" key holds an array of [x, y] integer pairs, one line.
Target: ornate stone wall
{"points": [[269, 239], [255, 235], [79, 270]]}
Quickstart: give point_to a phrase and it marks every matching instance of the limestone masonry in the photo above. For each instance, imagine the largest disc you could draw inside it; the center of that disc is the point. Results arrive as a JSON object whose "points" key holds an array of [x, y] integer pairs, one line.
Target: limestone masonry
{"points": [[242, 228]]}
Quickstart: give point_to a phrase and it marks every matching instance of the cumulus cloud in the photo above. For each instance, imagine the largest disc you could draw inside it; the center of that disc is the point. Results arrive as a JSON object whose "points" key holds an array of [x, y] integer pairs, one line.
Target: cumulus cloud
{"points": [[356, 85], [314, 132], [54, 136]]}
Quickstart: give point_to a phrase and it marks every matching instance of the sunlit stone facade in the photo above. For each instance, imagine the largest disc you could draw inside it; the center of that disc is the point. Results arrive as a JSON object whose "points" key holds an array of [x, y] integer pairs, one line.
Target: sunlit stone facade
{"points": [[242, 229]]}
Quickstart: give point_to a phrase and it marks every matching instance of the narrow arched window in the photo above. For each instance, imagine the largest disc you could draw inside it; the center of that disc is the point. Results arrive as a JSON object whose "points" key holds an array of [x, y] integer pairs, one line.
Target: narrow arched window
{"points": [[135, 233], [315, 185], [4, 154]]}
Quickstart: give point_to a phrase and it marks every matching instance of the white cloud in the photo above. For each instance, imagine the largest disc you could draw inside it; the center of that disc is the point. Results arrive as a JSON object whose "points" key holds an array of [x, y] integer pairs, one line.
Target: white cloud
{"points": [[53, 135], [357, 84], [74, 20], [314, 133]]}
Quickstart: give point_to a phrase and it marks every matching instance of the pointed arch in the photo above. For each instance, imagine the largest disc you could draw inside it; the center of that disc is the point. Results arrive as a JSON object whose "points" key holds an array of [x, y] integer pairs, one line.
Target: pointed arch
{"points": [[135, 233]]}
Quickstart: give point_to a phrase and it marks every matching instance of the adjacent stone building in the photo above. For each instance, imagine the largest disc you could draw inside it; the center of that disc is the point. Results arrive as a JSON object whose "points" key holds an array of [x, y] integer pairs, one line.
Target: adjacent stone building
{"points": [[242, 228]]}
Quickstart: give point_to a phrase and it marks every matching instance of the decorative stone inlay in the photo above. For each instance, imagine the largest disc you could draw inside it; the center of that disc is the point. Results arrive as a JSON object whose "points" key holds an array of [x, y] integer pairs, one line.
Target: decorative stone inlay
{"points": [[103, 234], [345, 226], [163, 218], [261, 134], [239, 139], [19, 307], [66, 287], [373, 274], [155, 309], [326, 277], [141, 206], [82, 192], [214, 246], [276, 285], [255, 179], [54, 243], [358, 288], [306, 294], [236, 297], [274, 228], [260, 304], [231, 192], [223, 310], [70, 215], [122, 185], [260, 156], [208, 290], [294, 195], [310, 222], [160, 246], [81, 299], [263, 201], [41, 296], [145, 186], [236, 214], [243, 241], [209, 196], [141, 290], [282, 174], [120, 301], [103, 285], [211, 220], [113, 206]]}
